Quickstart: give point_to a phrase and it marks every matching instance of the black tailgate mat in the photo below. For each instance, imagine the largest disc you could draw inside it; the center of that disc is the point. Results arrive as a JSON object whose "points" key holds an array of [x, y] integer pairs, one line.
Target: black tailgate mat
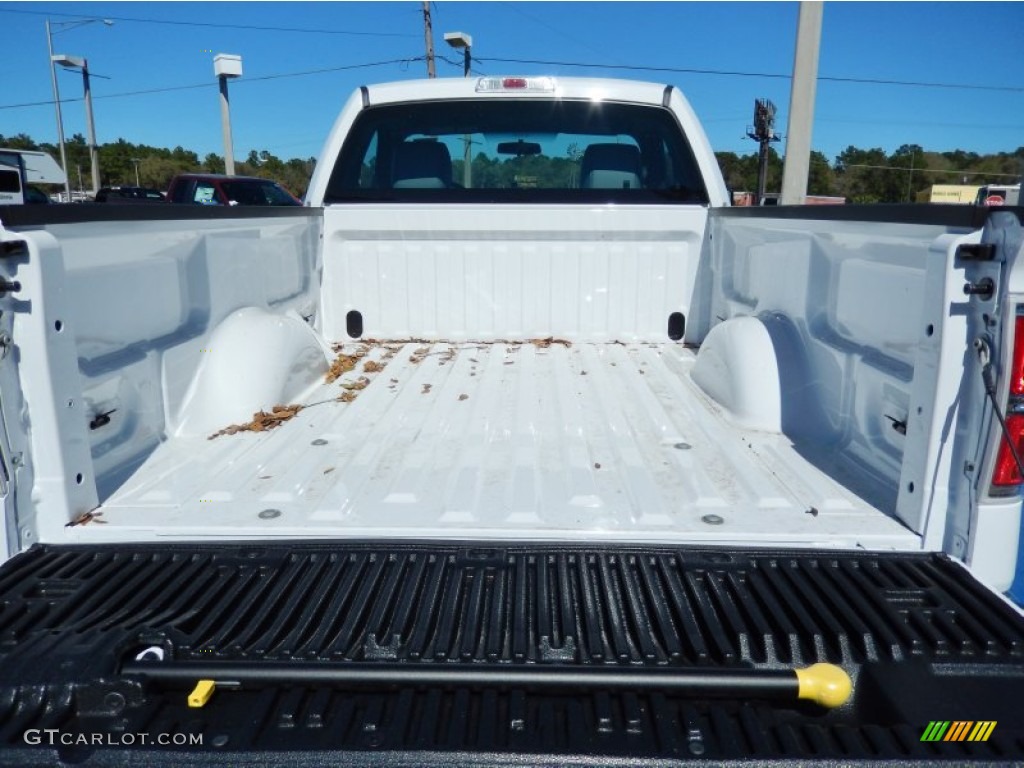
{"points": [[925, 645]]}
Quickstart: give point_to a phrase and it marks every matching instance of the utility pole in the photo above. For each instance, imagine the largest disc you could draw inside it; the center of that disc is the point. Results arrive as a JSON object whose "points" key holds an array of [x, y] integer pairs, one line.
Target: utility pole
{"points": [[801, 104], [910, 180], [763, 133], [428, 31]]}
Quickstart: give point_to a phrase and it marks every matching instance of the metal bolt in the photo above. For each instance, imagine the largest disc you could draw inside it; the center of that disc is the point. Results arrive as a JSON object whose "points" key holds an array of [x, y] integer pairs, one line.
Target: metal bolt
{"points": [[683, 446], [713, 519], [319, 441], [115, 702], [269, 514]]}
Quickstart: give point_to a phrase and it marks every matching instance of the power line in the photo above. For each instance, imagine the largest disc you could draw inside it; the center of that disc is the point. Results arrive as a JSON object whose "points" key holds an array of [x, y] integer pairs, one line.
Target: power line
{"points": [[736, 73], [930, 170], [238, 82], [250, 27]]}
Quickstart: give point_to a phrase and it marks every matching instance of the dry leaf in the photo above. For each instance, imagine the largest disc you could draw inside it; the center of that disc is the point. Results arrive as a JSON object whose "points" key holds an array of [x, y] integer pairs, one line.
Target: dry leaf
{"points": [[262, 421], [92, 516], [360, 383], [545, 343], [419, 355], [347, 397], [426, 388], [342, 364], [371, 367]]}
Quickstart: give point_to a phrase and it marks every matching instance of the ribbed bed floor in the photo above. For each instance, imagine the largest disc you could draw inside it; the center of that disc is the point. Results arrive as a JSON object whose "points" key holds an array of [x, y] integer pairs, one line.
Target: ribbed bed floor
{"points": [[533, 440]]}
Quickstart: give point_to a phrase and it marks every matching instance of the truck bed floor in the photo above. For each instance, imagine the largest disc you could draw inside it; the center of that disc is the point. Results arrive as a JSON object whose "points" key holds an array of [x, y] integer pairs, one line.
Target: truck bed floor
{"points": [[541, 440]]}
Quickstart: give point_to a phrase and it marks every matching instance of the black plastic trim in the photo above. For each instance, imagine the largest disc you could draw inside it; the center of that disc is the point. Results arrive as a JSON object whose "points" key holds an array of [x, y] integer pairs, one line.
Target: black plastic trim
{"points": [[965, 216], [676, 326], [13, 216], [354, 323]]}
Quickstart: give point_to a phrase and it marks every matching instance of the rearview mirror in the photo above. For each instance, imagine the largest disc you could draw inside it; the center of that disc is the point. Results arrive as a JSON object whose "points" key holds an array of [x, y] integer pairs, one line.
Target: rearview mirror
{"points": [[519, 148]]}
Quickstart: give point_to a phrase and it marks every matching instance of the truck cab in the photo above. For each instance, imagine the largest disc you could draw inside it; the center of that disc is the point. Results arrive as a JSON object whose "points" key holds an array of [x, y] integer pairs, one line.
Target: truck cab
{"points": [[19, 169]]}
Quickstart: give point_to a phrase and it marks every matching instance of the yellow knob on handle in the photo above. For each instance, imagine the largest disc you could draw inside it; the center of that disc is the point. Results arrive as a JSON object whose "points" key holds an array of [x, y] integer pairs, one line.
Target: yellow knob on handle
{"points": [[825, 684], [201, 693]]}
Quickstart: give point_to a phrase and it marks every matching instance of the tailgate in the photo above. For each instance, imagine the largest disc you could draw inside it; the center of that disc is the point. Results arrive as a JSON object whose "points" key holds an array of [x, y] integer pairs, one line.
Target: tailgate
{"points": [[390, 653]]}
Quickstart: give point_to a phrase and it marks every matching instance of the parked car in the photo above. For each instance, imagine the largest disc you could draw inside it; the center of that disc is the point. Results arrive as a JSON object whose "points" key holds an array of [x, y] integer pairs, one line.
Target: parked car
{"points": [[218, 189], [130, 195]]}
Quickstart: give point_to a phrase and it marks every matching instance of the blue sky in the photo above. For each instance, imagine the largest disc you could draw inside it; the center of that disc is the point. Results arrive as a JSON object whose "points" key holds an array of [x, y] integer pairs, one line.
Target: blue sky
{"points": [[951, 43]]}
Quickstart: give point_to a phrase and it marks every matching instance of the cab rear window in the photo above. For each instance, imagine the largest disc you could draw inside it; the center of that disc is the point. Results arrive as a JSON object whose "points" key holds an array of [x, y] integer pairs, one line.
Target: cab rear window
{"points": [[511, 150]]}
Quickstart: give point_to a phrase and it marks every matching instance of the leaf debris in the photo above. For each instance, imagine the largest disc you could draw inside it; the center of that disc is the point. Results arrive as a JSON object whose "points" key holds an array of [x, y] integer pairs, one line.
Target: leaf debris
{"points": [[344, 363], [419, 355], [92, 516], [361, 383], [545, 343], [262, 421]]}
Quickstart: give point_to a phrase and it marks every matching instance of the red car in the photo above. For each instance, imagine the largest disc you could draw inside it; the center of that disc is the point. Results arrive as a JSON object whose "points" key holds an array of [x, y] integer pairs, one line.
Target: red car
{"points": [[218, 189]]}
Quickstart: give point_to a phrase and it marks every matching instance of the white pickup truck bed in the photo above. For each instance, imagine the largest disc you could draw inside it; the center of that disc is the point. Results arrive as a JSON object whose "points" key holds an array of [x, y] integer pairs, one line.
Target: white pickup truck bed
{"points": [[500, 440]]}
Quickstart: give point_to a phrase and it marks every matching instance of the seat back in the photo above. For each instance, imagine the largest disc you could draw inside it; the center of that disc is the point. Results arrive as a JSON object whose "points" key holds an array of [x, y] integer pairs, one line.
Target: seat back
{"points": [[611, 166], [421, 165]]}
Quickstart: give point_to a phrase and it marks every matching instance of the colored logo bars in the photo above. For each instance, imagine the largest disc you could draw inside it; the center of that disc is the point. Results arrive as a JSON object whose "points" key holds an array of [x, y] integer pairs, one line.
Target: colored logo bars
{"points": [[958, 730]]}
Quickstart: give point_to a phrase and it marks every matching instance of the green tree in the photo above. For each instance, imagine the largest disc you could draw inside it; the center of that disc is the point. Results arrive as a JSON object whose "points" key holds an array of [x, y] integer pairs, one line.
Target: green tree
{"points": [[18, 141], [820, 178], [861, 174], [213, 163], [903, 185]]}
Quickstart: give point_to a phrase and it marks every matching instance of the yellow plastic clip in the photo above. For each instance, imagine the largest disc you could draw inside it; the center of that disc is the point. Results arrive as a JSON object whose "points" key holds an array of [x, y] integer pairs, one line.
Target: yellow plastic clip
{"points": [[826, 684], [201, 693]]}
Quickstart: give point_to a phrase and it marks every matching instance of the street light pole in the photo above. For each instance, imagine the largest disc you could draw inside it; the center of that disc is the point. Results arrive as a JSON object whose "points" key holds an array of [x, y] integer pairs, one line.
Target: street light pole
{"points": [[94, 155], [136, 161], [465, 42], [227, 66], [72, 61], [76, 62], [60, 121]]}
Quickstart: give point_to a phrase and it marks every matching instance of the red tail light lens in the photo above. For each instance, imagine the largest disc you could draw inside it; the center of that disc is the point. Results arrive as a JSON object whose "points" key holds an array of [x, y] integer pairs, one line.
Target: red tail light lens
{"points": [[1006, 472], [1017, 364]]}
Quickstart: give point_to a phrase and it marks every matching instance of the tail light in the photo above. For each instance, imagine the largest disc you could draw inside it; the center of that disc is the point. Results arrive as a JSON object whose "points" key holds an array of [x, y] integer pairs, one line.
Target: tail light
{"points": [[1006, 475], [1017, 364], [492, 84]]}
